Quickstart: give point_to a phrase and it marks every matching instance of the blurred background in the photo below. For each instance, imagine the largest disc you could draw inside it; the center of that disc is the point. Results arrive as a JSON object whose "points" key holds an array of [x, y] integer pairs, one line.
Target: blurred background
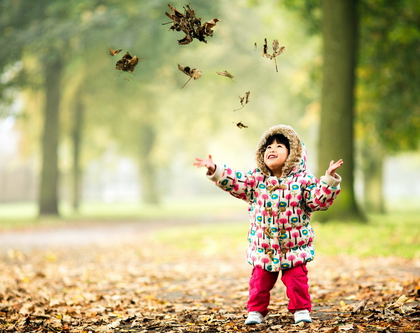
{"points": [[80, 139]]}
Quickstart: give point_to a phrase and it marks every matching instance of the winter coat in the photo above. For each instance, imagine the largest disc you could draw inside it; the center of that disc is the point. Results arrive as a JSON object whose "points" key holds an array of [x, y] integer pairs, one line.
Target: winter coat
{"points": [[280, 236]]}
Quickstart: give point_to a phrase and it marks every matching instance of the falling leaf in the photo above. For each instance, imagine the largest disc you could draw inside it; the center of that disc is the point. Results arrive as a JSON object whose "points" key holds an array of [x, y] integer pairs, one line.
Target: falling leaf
{"points": [[127, 63], [190, 25], [240, 125], [277, 50], [114, 52], [209, 25], [244, 100], [193, 73], [226, 73]]}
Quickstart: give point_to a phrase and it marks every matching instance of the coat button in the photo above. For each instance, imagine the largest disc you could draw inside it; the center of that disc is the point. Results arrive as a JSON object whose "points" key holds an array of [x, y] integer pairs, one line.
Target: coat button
{"points": [[284, 251], [283, 209], [283, 231], [268, 209], [283, 187]]}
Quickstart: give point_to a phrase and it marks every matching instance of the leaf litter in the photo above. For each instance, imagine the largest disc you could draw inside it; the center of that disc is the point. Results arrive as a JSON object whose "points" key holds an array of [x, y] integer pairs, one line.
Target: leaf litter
{"points": [[142, 285]]}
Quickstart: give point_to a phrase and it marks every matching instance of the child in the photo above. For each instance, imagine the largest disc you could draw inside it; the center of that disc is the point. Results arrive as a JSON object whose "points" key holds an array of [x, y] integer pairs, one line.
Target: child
{"points": [[281, 196]]}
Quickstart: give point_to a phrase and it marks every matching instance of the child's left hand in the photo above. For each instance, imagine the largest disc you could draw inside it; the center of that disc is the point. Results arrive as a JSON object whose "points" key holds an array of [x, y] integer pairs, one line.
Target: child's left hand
{"points": [[334, 166]]}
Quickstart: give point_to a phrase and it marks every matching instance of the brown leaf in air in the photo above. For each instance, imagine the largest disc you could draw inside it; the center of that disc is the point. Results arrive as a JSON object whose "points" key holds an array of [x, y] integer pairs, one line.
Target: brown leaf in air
{"points": [[226, 73], [190, 25], [243, 100], [240, 125], [127, 63], [193, 73], [114, 52], [277, 50]]}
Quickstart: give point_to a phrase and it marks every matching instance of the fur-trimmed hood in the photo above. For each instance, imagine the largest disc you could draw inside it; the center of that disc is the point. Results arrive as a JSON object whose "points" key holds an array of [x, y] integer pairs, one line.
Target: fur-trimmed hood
{"points": [[296, 162]]}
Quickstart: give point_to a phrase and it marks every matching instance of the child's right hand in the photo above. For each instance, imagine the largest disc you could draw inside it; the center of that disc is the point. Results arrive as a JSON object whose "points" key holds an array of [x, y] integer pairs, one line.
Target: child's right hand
{"points": [[208, 163]]}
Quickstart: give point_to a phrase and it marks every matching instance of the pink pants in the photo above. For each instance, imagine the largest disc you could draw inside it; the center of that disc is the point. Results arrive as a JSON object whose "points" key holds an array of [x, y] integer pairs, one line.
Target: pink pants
{"points": [[296, 281]]}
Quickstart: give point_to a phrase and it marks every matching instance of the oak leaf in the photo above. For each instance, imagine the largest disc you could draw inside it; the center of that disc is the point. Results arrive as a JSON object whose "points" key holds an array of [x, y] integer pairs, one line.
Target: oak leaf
{"points": [[127, 63], [193, 73]]}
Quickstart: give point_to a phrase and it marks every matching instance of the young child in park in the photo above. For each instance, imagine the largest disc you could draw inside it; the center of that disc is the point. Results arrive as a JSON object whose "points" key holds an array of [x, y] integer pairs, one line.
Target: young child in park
{"points": [[281, 196]]}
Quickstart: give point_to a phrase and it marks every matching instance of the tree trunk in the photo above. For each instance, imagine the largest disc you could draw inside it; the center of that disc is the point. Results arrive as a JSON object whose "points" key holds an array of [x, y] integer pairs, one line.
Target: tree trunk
{"points": [[337, 114], [48, 192], [79, 111], [148, 174], [373, 164]]}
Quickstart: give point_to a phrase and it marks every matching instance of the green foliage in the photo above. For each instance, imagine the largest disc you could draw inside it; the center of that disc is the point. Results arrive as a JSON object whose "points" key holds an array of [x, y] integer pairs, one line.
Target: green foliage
{"points": [[389, 75], [395, 234], [309, 10]]}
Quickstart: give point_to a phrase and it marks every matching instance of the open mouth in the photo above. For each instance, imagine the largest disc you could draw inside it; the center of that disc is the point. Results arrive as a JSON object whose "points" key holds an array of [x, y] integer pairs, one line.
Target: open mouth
{"points": [[271, 156]]}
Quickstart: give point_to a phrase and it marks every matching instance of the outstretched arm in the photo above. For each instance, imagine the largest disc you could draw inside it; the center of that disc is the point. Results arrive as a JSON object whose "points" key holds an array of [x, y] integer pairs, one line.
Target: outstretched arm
{"points": [[334, 166], [208, 163]]}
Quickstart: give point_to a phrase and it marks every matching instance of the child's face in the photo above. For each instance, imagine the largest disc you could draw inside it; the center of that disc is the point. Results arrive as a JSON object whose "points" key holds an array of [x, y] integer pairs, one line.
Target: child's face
{"points": [[275, 156]]}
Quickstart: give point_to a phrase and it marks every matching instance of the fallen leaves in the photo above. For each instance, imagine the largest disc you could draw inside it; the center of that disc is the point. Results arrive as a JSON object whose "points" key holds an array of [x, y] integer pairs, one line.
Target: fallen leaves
{"points": [[141, 285], [190, 25], [193, 73]]}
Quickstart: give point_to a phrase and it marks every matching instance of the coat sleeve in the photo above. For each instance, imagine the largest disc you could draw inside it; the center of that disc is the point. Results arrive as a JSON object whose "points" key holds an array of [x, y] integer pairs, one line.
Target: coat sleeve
{"points": [[319, 195], [239, 184]]}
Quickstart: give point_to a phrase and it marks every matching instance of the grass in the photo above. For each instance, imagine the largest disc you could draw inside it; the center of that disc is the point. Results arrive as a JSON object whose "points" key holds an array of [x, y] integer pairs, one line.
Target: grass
{"points": [[394, 234], [25, 215]]}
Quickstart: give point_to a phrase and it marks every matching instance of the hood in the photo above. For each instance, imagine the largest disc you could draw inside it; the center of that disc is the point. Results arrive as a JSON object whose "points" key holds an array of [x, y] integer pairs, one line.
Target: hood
{"points": [[296, 162]]}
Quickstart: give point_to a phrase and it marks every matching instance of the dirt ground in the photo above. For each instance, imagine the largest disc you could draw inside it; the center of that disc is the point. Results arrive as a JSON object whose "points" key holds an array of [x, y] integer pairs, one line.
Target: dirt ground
{"points": [[116, 278]]}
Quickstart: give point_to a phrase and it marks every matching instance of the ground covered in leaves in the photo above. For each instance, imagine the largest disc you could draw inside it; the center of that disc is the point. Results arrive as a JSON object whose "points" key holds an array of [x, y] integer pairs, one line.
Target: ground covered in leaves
{"points": [[138, 284]]}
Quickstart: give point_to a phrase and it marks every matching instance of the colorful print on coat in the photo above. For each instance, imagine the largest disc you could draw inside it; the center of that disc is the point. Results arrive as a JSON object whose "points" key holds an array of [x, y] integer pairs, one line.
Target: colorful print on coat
{"points": [[280, 236]]}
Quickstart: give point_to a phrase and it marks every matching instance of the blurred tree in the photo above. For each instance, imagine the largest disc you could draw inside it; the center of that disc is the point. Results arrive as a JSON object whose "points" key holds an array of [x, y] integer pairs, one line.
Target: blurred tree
{"points": [[57, 34], [338, 23], [146, 115], [388, 115], [389, 81], [336, 139], [77, 135]]}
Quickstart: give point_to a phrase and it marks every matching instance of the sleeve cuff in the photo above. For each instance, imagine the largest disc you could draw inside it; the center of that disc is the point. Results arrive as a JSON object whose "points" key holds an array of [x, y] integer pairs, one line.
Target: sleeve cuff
{"points": [[332, 181], [217, 174]]}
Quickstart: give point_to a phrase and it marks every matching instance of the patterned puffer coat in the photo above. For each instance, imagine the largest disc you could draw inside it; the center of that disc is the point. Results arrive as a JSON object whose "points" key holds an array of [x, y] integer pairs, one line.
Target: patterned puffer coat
{"points": [[280, 236]]}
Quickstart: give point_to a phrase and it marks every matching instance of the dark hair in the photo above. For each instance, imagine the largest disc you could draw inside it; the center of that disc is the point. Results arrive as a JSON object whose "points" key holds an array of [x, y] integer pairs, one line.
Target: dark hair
{"points": [[280, 138]]}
